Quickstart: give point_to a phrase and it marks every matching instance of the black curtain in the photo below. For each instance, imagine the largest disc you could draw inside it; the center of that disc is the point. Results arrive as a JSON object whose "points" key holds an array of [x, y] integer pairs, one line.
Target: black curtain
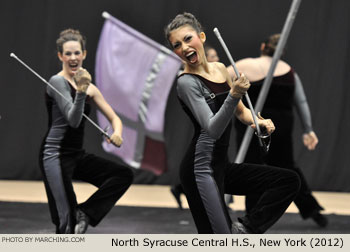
{"points": [[318, 49]]}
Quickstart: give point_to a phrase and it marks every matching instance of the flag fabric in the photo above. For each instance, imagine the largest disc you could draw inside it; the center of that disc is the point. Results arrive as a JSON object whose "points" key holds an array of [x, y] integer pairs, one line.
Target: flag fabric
{"points": [[135, 75]]}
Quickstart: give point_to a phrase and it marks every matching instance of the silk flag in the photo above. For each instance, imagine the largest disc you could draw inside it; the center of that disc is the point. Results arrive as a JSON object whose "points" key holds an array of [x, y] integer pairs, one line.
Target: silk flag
{"points": [[135, 75]]}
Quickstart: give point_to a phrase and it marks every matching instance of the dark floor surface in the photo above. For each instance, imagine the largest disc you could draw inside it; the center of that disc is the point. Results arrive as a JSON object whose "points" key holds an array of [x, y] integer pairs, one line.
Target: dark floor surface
{"points": [[34, 218]]}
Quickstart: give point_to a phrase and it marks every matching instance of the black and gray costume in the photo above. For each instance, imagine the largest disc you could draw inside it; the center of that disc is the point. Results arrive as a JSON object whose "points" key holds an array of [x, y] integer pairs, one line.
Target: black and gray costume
{"points": [[285, 93], [62, 159], [206, 174]]}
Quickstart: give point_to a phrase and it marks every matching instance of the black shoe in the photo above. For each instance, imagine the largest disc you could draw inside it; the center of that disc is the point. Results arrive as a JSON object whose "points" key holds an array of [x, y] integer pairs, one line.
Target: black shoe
{"points": [[239, 228], [320, 219], [177, 195], [82, 222]]}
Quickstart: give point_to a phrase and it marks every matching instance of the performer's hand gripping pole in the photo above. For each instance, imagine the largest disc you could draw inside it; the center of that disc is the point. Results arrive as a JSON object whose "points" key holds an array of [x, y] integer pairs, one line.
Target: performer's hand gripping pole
{"points": [[222, 42], [104, 132]]}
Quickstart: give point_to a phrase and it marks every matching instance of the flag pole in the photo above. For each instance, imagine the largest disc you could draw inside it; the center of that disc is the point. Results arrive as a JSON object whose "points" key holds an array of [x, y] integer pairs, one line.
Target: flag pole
{"points": [[267, 83]]}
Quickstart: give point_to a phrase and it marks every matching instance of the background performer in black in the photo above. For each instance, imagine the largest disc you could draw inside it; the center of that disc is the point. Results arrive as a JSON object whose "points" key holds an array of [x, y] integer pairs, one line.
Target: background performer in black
{"points": [[286, 92]]}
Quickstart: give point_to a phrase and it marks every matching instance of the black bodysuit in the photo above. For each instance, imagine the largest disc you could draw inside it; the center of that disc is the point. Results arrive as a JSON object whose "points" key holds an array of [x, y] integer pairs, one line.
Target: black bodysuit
{"points": [[286, 92], [206, 173]]}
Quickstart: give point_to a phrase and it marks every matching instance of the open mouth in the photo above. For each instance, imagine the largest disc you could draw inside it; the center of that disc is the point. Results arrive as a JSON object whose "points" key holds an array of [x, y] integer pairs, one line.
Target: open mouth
{"points": [[192, 57], [73, 66]]}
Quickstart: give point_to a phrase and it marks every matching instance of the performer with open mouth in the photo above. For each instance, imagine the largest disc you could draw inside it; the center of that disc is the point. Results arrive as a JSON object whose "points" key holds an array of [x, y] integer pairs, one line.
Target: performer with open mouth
{"points": [[62, 157], [210, 99]]}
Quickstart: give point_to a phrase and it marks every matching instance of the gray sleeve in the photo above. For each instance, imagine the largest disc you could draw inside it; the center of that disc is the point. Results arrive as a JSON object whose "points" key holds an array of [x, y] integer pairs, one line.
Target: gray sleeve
{"points": [[301, 105], [72, 112], [188, 89]]}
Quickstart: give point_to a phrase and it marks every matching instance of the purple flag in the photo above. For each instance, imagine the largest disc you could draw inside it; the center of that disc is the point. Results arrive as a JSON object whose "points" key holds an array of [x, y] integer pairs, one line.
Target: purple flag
{"points": [[135, 74]]}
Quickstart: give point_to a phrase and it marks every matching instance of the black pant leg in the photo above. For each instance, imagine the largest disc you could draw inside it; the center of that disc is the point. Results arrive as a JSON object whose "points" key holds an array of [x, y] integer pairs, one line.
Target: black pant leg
{"points": [[178, 188], [305, 201], [278, 188], [111, 179], [251, 200]]}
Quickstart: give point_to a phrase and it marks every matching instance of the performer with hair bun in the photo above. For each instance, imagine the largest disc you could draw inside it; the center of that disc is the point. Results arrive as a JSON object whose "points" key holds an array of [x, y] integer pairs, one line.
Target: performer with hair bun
{"points": [[176, 189], [62, 157], [211, 99]]}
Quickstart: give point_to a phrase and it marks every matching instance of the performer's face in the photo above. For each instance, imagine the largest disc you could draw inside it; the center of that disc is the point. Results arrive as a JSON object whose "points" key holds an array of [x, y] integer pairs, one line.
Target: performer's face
{"points": [[72, 57], [212, 56], [188, 44]]}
